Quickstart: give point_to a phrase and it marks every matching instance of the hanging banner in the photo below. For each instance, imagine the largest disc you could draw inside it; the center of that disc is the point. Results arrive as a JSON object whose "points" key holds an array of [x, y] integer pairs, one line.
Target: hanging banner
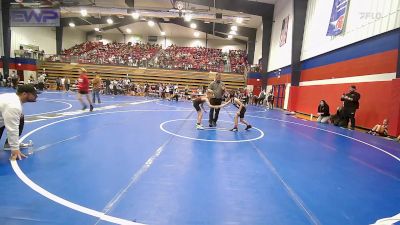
{"points": [[284, 31], [34, 17], [338, 17]]}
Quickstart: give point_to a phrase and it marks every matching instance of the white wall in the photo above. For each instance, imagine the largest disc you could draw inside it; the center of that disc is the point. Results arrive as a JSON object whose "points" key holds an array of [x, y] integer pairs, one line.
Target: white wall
{"points": [[108, 37], [258, 46], [225, 45], [72, 37], [365, 18], [287, 95], [280, 56], [44, 37]]}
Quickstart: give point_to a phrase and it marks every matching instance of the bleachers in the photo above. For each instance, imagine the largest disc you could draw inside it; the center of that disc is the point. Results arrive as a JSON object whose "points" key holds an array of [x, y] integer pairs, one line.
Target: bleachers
{"points": [[193, 79]]}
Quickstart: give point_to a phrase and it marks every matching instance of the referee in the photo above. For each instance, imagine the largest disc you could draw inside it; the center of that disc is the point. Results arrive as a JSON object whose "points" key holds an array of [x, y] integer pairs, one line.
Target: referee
{"points": [[218, 87]]}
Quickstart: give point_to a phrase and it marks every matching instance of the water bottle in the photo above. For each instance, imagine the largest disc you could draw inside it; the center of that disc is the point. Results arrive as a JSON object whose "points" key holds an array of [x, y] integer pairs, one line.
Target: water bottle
{"points": [[30, 147]]}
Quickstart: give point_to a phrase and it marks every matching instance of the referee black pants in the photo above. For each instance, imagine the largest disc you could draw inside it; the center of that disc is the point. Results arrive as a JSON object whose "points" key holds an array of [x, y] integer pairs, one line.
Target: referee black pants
{"points": [[213, 117]]}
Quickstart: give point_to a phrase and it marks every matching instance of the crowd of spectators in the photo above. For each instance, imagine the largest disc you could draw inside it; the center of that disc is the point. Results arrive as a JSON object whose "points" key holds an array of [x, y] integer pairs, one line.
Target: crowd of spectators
{"points": [[191, 58], [238, 61], [152, 55], [137, 54]]}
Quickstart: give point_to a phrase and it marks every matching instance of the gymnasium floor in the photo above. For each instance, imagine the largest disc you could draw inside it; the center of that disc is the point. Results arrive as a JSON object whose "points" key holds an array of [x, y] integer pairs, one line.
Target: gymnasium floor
{"points": [[140, 161]]}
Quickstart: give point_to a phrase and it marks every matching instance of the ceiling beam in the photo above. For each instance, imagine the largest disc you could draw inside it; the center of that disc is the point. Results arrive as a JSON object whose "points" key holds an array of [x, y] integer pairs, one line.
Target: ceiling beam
{"points": [[119, 29], [222, 35], [245, 6], [159, 26], [118, 22], [223, 28], [205, 28], [81, 21], [124, 22], [130, 3]]}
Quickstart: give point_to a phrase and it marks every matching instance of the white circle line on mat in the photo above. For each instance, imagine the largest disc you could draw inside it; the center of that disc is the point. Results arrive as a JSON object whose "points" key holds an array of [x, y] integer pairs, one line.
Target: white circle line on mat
{"points": [[208, 140], [60, 110]]}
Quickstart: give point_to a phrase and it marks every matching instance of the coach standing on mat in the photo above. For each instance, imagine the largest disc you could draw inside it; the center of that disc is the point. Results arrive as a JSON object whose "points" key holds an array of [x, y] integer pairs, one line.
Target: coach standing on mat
{"points": [[350, 105], [218, 87], [11, 116]]}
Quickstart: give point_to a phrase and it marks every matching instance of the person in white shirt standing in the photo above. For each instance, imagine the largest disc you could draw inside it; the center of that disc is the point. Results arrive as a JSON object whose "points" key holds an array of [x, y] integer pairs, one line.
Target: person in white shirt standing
{"points": [[10, 114]]}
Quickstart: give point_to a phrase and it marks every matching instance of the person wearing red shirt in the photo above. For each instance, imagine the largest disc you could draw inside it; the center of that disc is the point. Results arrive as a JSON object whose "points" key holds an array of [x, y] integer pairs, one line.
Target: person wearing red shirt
{"points": [[83, 88]]}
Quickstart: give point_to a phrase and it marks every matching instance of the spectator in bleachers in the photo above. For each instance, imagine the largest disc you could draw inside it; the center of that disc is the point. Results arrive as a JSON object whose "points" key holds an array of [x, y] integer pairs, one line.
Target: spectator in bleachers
{"points": [[67, 83], [380, 129], [107, 84], [58, 83], [323, 112], [261, 98], [339, 119], [270, 100], [238, 61], [41, 81], [1, 79], [140, 54], [14, 79]]}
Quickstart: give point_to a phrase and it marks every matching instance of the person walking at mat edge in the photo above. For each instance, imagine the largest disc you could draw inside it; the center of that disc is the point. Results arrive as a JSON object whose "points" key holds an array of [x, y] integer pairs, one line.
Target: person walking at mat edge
{"points": [[83, 89]]}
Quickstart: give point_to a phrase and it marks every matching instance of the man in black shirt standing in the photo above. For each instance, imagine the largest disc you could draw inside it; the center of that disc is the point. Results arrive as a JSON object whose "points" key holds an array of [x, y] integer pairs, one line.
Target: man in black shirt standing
{"points": [[350, 105], [218, 87]]}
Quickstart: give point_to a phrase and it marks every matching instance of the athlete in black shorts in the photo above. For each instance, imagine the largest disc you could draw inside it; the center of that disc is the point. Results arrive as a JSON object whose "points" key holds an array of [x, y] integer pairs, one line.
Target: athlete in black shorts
{"points": [[240, 113]]}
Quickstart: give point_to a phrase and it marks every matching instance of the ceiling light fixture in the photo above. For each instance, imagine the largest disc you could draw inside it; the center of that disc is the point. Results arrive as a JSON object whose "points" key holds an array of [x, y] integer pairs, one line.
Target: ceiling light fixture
{"points": [[110, 21], [97, 29], [162, 33], [230, 36], [188, 17], [196, 34], [234, 28], [151, 23], [135, 15], [83, 12], [239, 20], [193, 25], [128, 30], [232, 32], [71, 24]]}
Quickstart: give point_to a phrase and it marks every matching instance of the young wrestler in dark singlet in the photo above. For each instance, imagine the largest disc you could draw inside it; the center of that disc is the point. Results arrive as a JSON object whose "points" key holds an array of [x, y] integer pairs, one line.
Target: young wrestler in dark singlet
{"points": [[198, 105]]}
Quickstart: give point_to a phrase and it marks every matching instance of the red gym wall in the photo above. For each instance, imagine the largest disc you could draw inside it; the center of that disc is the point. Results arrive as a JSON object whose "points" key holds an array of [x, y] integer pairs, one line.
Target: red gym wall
{"points": [[257, 85], [379, 100], [282, 79], [372, 66], [255, 79]]}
